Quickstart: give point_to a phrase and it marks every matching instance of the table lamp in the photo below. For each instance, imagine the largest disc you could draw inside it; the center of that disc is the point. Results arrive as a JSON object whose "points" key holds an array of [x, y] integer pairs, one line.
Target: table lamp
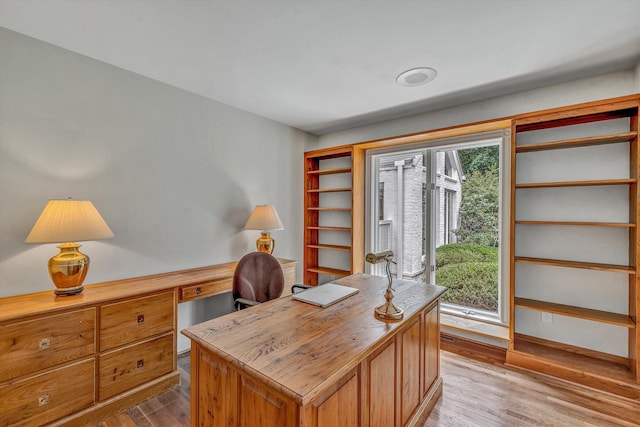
{"points": [[265, 218], [386, 311], [69, 221]]}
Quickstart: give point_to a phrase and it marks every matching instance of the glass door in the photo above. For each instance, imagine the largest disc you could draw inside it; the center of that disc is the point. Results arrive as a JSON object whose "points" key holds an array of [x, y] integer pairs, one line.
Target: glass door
{"points": [[438, 209]]}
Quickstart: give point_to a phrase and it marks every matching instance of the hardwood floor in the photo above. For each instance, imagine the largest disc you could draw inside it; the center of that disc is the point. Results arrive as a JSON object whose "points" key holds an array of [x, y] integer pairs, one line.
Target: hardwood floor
{"points": [[476, 394]]}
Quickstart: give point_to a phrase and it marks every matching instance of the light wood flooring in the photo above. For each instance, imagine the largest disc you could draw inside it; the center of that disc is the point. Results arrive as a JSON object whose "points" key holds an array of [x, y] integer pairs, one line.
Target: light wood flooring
{"points": [[476, 394]]}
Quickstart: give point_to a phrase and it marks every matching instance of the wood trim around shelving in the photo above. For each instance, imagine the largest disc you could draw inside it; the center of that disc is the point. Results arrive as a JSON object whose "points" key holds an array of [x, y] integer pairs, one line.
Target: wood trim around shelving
{"points": [[329, 171], [328, 209], [584, 365], [605, 109], [329, 271], [312, 225], [329, 228], [332, 247], [634, 250], [578, 142], [578, 312], [577, 264], [586, 183], [578, 223], [329, 190], [358, 212]]}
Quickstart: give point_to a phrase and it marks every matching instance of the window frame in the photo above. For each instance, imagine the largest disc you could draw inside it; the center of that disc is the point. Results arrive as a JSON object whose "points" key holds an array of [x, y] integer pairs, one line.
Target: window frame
{"points": [[502, 138]]}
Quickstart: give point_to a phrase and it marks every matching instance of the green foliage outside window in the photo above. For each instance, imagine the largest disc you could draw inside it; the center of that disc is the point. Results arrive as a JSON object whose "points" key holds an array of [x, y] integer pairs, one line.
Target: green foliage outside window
{"points": [[479, 209], [471, 274], [469, 268]]}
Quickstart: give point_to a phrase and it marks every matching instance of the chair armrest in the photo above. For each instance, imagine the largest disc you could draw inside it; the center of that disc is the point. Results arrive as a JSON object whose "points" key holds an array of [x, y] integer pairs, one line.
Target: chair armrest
{"points": [[299, 286], [245, 303]]}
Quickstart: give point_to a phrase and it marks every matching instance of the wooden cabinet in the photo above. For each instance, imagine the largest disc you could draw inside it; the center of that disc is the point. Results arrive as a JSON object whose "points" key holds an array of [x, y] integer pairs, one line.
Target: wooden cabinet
{"points": [[46, 397], [47, 367], [338, 405], [74, 360], [136, 319], [31, 346], [126, 368], [329, 239], [380, 388], [142, 332], [219, 279], [431, 341], [52, 369], [575, 189], [252, 368], [206, 289], [397, 397], [410, 348]]}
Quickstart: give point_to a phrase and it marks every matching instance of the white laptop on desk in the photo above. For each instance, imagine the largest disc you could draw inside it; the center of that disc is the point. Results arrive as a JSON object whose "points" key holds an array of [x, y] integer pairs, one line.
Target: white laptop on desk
{"points": [[325, 295]]}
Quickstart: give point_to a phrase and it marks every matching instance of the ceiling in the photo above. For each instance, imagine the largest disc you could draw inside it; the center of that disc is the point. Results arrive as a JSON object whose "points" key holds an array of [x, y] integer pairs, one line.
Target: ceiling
{"points": [[326, 65]]}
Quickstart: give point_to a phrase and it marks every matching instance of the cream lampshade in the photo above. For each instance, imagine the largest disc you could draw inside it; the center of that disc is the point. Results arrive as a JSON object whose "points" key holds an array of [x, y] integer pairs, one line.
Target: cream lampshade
{"points": [[69, 221], [265, 218]]}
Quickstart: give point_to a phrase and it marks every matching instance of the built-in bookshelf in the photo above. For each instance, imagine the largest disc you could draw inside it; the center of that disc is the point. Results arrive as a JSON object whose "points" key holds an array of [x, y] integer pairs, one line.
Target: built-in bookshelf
{"points": [[328, 215], [553, 234]]}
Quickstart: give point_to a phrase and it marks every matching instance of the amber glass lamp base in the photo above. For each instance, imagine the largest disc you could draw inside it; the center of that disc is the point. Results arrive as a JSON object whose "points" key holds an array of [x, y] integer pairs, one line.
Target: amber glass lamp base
{"points": [[265, 243], [68, 269]]}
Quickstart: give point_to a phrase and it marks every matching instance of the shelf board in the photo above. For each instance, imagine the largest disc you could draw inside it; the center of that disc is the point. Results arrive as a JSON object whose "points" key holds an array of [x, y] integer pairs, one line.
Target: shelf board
{"points": [[595, 182], [580, 223], [577, 264], [332, 247], [329, 271], [578, 312], [329, 190], [329, 209], [569, 116], [329, 171], [579, 142], [328, 228], [573, 358]]}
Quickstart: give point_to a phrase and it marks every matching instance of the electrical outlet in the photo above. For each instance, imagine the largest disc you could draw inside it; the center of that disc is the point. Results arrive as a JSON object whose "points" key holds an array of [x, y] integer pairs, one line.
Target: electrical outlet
{"points": [[546, 317]]}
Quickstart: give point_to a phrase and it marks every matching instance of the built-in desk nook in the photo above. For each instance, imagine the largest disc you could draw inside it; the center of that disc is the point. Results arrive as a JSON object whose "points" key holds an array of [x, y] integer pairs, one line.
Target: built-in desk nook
{"points": [[287, 363], [76, 359]]}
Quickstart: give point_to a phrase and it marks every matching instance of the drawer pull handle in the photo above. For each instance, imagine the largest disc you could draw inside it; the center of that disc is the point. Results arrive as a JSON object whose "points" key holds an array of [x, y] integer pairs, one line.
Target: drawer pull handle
{"points": [[140, 318], [43, 399], [44, 343], [140, 363], [198, 290]]}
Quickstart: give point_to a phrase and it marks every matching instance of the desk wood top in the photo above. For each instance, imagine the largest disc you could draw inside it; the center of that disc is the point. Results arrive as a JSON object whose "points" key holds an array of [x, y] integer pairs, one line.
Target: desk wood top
{"points": [[298, 348], [47, 302]]}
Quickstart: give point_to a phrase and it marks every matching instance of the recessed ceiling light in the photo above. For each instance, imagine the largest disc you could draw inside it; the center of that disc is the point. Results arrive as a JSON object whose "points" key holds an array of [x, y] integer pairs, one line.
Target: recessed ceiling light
{"points": [[416, 76]]}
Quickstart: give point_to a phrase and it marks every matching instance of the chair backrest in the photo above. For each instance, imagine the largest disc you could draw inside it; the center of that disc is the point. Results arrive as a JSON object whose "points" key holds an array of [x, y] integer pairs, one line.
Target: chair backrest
{"points": [[258, 276]]}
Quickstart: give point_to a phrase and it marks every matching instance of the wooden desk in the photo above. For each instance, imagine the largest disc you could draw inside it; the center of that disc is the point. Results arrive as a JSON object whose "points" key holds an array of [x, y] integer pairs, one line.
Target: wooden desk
{"points": [[72, 360], [287, 363]]}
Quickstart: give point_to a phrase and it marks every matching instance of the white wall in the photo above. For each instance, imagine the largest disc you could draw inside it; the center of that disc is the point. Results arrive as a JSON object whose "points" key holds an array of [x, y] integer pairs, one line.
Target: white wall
{"points": [[175, 175]]}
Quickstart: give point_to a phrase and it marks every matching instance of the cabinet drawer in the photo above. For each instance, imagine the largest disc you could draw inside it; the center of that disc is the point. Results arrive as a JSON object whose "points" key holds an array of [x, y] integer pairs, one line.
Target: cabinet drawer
{"points": [[206, 289], [132, 320], [44, 398], [126, 368], [33, 345]]}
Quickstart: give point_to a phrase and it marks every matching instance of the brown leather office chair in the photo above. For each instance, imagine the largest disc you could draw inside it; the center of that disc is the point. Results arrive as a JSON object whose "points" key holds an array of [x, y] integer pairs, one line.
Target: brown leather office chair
{"points": [[258, 278]]}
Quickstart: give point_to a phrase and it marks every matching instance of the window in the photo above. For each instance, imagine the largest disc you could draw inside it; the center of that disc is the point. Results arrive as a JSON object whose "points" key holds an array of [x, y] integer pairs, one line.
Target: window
{"points": [[442, 220], [450, 215], [381, 201]]}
